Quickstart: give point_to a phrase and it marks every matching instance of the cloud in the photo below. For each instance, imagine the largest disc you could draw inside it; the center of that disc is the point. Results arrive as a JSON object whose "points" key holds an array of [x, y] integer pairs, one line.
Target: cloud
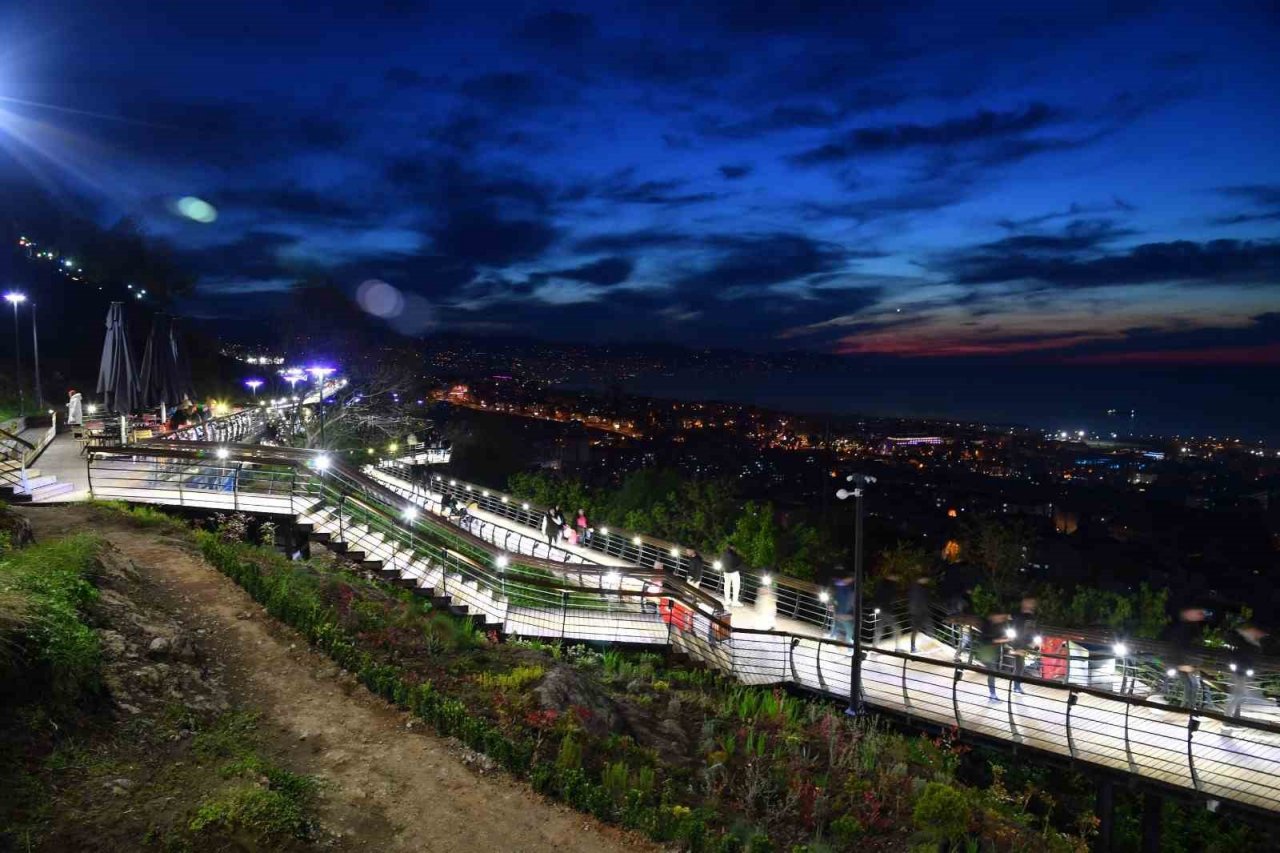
{"points": [[984, 125], [604, 272], [634, 241], [1215, 261], [1258, 196], [1072, 211], [626, 188], [749, 262], [731, 172], [289, 201]]}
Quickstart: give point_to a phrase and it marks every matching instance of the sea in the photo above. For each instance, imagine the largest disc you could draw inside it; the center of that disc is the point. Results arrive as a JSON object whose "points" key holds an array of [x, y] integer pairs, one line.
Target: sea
{"points": [[1222, 402]]}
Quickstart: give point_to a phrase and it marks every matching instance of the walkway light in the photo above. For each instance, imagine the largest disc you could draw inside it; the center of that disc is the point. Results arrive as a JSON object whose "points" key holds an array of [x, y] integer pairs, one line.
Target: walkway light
{"points": [[504, 498], [1011, 632], [222, 453], [675, 552], [410, 513], [875, 612], [635, 540], [1171, 672], [1233, 666], [502, 561], [392, 447], [322, 463], [765, 580], [717, 565], [1037, 639], [824, 596], [1120, 649], [524, 505], [604, 531], [612, 578], [485, 493], [453, 482], [253, 385]]}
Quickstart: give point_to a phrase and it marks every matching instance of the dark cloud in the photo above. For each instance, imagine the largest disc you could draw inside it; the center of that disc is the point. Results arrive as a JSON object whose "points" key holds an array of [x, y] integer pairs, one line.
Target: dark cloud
{"points": [[402, 77], [1217, 261], [732, 172], [626, 187], [1265, 196], [634, 241], [980, 126], [504, 90], [255, 254], [290, 202], [746, 263], [1072, 211], [604, 272]]}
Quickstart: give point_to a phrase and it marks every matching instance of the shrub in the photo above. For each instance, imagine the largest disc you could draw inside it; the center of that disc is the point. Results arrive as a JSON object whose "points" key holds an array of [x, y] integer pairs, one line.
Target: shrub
{"points": [[570, 755], [515, 680], [942, 813]]}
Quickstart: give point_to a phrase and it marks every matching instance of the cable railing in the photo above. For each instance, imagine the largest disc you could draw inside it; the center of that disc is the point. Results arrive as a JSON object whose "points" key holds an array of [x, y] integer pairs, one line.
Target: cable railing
{"points": [[1134, 730], [1092, 658]]}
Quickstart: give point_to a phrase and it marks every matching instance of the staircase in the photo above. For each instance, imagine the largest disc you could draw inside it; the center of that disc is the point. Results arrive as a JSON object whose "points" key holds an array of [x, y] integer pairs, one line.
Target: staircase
{"points": [[37, 487], [370, 550]]}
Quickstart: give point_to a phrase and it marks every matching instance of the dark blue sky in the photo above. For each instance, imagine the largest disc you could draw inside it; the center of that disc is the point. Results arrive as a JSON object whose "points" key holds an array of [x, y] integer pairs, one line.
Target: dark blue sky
{"points": [[1094, 183]]}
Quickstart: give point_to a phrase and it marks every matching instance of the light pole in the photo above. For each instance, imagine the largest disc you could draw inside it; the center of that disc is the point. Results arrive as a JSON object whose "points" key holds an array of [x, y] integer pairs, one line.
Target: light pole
{"points": [[254, 384], [320, 374], [860, 483], [15, 299]]}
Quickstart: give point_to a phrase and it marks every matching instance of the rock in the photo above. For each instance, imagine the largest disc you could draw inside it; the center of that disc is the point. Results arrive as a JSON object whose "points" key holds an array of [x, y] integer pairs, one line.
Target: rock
{"points": [[159, 647], [127, 784], [184, 649], [567, 690], [113, 642]]}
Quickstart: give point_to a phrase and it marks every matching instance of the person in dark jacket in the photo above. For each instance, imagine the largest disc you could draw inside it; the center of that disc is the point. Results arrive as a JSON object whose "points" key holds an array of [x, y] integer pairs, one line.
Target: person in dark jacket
{"points": [[731, 567], [883, 601], [987, 641], [842, 609], [696, 567], [918, 608]]}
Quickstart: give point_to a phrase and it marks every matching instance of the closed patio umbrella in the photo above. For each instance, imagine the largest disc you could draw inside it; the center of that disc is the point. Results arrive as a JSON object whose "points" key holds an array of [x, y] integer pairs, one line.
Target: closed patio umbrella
{"points": [[117, 382], [161, 380]]}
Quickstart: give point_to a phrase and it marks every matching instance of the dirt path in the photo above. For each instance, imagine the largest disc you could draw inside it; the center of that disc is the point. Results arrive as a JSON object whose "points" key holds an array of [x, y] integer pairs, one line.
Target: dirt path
{"points": [[387, 787]]}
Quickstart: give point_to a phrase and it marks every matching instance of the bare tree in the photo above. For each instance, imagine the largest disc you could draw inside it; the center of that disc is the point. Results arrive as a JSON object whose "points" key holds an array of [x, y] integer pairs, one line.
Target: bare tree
{"points": [[373, 407]]}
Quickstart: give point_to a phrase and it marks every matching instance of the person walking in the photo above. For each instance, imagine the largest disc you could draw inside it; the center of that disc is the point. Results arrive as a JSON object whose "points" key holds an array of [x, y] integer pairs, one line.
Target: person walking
{"points": [[883, 601], [1243, 658], [842, 608], [731, 568], [1186, 637], [548, 528], [584, 528], [766, 603], [696, 568], [1024, 627], [987, 641], [75, 408], [918, 609]]}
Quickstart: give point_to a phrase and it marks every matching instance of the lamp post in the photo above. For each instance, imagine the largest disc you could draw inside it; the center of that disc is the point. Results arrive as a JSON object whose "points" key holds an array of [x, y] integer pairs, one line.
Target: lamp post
{"points": [[254, 385], [15, 299], [860, 482], [320, 374]]}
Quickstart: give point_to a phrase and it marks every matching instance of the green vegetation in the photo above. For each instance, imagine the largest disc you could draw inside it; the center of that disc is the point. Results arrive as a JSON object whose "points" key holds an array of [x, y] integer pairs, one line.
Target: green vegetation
{"points": [[705, 514], [45, 642], [699, 762]]}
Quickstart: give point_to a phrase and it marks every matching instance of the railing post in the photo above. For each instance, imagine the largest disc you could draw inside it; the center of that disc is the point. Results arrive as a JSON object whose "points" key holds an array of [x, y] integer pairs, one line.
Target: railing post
{"points": [[235, 486], [1072, 698], [1128, 748], [1193, 725], [955, 694], [342, 506], [822, 682], [906, 698], [564, 612]]}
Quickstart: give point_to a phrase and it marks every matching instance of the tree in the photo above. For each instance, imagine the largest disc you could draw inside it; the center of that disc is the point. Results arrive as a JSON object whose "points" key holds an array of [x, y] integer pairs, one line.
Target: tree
{"points": [[367, 411], [905, 561], [1001, 550]]}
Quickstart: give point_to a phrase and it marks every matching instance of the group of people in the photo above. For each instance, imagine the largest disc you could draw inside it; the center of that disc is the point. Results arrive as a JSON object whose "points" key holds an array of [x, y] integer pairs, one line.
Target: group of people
{"points": [[186, 414], [556, 528], [1184, 663]]}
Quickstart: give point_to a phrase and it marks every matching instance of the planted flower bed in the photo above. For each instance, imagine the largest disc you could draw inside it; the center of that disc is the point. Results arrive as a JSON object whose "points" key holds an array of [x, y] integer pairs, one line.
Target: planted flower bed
{"points": [[676, 752]]}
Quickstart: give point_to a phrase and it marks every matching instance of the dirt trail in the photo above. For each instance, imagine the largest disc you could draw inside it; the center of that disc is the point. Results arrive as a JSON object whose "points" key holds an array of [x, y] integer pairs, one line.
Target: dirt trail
{"points": [[386, 787]]}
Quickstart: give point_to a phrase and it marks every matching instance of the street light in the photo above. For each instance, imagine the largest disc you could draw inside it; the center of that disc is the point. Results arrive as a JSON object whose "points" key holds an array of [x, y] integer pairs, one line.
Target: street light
{"points": [[320, 374], [254, 385], [15, 299], [860, 482]]}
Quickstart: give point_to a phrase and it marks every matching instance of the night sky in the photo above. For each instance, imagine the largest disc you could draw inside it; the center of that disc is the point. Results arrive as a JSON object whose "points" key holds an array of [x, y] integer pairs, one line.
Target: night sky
{"points": [[1094, 184]]}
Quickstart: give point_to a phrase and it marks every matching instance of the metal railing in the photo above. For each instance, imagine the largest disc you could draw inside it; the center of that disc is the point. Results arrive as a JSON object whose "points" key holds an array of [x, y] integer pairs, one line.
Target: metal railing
{"points": [[1102, 723]]}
